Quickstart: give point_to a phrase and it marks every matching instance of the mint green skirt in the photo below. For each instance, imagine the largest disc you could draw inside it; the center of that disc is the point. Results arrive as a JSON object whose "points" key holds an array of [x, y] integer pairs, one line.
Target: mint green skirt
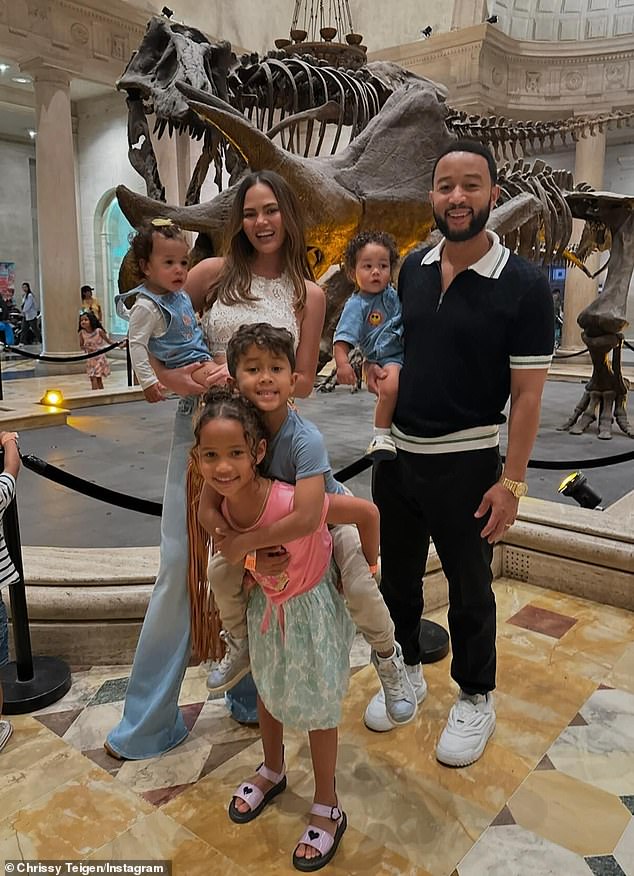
{"points": [[302, 676]]}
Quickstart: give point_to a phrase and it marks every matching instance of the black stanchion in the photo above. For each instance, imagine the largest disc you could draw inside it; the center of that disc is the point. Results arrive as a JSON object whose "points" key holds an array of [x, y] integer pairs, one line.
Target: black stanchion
{"points": [[128, 363], [28, 683]]}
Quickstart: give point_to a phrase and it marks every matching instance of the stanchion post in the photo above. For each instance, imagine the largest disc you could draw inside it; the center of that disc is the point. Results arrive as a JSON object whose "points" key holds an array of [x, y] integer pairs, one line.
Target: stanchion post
{"points": [[128, 362], [28, 683]]}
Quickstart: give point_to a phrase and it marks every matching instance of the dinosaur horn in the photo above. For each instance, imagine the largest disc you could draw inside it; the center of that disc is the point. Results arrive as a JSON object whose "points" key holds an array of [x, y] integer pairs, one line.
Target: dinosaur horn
{"points": [[210, 217], [255, 147]]}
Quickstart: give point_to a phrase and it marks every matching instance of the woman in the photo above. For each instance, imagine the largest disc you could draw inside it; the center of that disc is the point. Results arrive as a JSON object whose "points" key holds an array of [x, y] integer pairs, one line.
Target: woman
{"points": [[30, 328], [264, 276]]}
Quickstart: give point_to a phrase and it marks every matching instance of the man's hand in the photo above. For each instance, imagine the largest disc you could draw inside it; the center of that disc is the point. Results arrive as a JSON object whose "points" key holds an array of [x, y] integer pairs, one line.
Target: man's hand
{"points": [[346, 375], [373, 374], [503, 507], [154, 393]]}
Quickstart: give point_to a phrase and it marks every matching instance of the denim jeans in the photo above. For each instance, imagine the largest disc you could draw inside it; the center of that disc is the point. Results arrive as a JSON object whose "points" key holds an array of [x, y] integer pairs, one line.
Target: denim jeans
{"points": [[152, 723]]}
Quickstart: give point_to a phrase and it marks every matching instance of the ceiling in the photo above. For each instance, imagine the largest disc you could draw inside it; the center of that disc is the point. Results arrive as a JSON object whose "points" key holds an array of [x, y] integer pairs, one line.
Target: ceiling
{"points": [[17, 100]]}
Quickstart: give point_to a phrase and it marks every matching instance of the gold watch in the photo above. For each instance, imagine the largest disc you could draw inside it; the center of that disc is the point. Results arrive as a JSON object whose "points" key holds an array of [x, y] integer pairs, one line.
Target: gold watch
{"points": [[518, 488]]}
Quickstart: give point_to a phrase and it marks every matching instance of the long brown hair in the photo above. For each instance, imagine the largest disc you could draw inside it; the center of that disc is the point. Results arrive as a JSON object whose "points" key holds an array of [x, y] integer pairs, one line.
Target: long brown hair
{"points": [[234, 283]]}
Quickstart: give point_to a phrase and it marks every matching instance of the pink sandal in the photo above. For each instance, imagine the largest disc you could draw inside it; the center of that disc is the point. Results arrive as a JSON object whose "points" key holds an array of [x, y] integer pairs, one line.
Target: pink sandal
{"points": [[325, 843], [256, 799]]}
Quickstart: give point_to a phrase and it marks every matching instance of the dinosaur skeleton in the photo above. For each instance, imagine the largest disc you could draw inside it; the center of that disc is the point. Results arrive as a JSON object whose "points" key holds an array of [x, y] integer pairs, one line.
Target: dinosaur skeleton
{"points": [[380, 179]]}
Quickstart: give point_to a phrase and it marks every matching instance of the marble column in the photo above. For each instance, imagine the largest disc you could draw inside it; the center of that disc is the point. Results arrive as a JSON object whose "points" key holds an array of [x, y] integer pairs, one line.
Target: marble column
{"points": [[56, 208], [580, 290]]}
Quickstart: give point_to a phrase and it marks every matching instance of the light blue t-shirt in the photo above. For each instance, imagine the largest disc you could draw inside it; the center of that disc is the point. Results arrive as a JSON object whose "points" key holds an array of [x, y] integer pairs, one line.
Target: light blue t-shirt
{"points": [[298, 451], [373, 323]]}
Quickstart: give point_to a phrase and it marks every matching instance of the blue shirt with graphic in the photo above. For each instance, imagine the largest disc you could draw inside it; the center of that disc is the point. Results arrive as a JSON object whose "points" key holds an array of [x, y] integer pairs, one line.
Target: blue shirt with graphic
{"points": [[373, 323]]}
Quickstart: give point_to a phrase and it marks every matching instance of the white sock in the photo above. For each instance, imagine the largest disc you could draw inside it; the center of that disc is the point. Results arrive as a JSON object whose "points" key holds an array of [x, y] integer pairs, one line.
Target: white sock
{"points": [[378, 431]]}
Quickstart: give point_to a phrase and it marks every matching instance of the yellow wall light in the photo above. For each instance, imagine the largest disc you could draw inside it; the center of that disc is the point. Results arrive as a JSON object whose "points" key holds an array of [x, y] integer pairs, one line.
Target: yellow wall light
{"points": [[53, 398]]}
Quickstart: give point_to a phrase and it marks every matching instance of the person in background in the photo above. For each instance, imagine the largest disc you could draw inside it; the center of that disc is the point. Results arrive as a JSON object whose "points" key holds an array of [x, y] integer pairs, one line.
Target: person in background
{"points": [[5, 312], [30, 327], [8, 572], [89, 302]]}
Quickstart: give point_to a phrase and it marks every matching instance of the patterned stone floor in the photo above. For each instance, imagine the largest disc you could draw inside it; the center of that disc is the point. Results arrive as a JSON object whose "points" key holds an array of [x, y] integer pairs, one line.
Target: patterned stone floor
{"points": [[553, 794]]}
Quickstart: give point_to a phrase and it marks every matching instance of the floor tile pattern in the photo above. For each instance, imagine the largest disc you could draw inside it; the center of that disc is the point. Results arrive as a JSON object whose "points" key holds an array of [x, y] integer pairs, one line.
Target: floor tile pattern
{"points": [[553, 794]]}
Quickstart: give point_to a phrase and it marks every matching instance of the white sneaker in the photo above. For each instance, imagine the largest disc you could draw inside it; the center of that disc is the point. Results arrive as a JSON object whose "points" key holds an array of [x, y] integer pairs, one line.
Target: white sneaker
{"points": [[233, 666], [376, 717], [5, 732], [398, 691], [469, 726], [381, 448]]}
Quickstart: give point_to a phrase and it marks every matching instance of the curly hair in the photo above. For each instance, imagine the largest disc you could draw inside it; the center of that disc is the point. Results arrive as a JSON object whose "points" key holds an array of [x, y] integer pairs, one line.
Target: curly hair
{"points": [[381, 238], [142, 240], [219, 402]]}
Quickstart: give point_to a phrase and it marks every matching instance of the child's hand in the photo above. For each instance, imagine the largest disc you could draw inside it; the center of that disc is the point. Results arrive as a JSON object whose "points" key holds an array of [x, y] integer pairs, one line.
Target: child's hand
{"points": [[346, 375], [231, 545], [5, 437], [154, 393]]}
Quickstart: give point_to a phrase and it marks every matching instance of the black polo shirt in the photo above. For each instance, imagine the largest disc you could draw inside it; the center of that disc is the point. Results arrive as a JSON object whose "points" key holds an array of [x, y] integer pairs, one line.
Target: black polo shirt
{"points": [[460, 347]]}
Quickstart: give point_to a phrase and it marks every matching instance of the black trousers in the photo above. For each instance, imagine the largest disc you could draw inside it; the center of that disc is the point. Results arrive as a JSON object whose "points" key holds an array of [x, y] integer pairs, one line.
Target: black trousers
{"points": [[436, 495]]}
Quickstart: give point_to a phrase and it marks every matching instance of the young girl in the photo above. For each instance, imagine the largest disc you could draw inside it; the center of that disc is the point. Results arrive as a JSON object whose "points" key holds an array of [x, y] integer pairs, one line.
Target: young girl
{"points": [[162, 319], [371, 319], [92, 337], [299, 630]]}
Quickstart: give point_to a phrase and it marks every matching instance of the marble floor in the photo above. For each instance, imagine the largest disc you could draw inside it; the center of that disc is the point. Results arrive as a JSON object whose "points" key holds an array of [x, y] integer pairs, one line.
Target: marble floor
{"points": [[553, 793]]}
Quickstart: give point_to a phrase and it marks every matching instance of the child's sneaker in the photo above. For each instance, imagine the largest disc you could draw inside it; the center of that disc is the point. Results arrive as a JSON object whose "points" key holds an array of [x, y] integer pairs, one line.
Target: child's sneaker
{"points": [[382, 448], [398, 692], [5, 732], [376, 717], [233, 666]]}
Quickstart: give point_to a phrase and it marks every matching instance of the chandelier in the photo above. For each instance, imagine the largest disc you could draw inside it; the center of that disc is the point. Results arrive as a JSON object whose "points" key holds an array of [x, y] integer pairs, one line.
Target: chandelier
{"points": [[314, 27]]}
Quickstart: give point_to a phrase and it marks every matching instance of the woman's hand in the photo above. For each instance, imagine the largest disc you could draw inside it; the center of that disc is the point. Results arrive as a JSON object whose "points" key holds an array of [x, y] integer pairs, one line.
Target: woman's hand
{"points": [[178, 380]]}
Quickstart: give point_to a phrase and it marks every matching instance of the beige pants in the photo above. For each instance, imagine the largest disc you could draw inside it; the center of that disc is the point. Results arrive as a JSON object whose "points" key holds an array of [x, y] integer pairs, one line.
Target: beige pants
{"points": [[363, 597]]}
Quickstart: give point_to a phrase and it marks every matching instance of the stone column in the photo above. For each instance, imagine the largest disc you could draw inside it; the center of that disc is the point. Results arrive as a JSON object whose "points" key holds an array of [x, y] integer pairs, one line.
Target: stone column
{"points": [[56, 208], [173, 160], [580, 290]]}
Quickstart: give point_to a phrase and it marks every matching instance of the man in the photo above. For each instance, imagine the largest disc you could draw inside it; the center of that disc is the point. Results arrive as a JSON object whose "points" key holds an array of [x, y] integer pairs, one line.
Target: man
{"points": [[478, 326], [88, 302]]}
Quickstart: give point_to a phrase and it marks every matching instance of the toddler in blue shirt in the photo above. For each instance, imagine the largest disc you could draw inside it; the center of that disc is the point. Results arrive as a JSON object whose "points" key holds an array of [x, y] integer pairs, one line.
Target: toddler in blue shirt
{"points": [[371, 320]]}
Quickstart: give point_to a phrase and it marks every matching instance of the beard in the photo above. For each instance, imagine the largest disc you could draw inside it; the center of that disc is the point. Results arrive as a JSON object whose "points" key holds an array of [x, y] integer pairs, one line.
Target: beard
{"points": [[478, 222]]}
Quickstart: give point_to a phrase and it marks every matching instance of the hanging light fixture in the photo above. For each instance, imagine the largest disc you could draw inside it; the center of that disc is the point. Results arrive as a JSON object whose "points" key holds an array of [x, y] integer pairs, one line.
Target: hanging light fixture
{"points": [[325, 30]]}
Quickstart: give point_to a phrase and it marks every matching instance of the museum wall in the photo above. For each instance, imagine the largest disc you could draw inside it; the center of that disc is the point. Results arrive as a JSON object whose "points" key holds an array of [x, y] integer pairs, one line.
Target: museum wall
{"points": [[16, 216], [102, 165]]}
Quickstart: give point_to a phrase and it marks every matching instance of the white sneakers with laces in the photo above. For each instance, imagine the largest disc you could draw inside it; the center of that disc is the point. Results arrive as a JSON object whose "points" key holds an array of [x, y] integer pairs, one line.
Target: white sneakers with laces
{"points": [[469, 726], [233, 666], [376, 715]]}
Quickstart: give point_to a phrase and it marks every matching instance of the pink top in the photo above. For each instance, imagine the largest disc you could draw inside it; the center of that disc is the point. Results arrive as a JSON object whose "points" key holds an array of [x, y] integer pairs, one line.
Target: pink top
{"points": [[309, 556]]}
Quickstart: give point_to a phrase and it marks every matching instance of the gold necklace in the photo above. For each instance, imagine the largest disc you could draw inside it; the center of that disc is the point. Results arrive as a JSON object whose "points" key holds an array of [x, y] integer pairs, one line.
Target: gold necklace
{"points": [[235, 526]]}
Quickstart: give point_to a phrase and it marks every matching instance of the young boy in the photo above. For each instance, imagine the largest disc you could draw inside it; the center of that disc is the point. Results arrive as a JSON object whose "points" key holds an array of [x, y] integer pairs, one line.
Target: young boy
{"points": [[261, 362], [8, 572], [372, 320]]}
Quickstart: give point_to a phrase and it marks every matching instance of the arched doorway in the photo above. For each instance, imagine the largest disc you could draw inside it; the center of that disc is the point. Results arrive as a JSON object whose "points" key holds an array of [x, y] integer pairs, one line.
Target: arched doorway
{"points": [[113, 230]]}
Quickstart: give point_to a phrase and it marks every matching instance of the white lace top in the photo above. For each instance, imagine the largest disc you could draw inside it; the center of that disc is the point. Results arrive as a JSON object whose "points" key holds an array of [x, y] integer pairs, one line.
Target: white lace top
{"points": [[275, 305]]}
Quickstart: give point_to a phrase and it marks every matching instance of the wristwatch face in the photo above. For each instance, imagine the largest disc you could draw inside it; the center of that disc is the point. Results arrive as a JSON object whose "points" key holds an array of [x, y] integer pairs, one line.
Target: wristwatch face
{"points": [[521, 490]]}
